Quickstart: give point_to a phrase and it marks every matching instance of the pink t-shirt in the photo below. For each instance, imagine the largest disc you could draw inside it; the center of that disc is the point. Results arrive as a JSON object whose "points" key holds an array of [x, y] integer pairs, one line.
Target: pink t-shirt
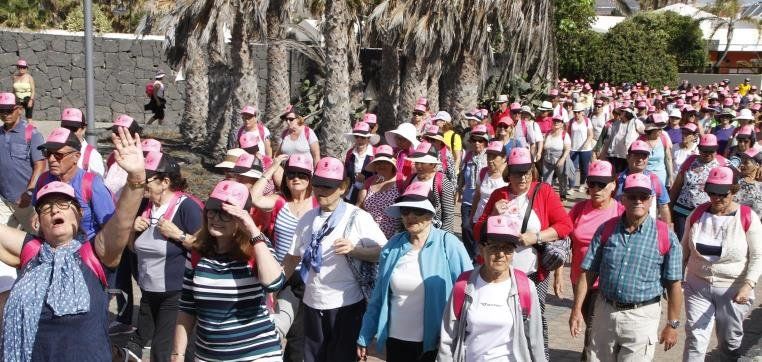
{"points": [[586, 221]]}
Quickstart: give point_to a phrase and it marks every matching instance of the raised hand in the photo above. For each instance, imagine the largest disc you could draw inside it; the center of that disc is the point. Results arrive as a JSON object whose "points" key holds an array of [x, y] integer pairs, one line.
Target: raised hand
{"points": [[128, 152], [242, 217]]}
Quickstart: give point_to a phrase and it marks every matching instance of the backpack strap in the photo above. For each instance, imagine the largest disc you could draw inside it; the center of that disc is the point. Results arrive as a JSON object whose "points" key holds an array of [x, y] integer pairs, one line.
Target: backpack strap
{"points": [[525, 297], [438, 182], [655, 184], [89, 258], [459, 293], [696, 215], [30, 249], [483, 174], [400, 181], [664, 140], [87, 186], [261, 129], [662, 236], [307, 133], [28, 131], [745, 217], [86, 157], [111, 160]]}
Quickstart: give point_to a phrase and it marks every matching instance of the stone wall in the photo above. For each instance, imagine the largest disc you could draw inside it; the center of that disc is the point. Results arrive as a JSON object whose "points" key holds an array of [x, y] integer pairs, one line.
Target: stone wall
{"points": [[123, 66]]}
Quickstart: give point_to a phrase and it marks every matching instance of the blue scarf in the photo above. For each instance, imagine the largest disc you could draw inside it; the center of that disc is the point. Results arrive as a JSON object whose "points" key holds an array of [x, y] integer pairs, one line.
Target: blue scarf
{"points": [[53, 277], [313, 254]]}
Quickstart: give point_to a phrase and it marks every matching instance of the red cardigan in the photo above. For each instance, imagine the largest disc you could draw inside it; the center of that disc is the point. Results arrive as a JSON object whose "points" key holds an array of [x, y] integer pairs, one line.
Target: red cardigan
{"points": [[547, 205]]}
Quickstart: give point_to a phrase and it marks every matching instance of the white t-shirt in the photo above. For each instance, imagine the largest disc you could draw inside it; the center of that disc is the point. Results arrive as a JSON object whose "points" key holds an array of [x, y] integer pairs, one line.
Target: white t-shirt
{"points": [[579, 136], [679, 155], [525, 257], [301, 144], [407, 299], [335, 286], [556, 143], [534, 134], [485, 191], [489, 328], [96, 160], [598, 121]]}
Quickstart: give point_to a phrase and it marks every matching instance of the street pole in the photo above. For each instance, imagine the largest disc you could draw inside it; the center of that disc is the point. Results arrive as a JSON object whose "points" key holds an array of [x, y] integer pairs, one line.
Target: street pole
{"points": [[89, 82]]}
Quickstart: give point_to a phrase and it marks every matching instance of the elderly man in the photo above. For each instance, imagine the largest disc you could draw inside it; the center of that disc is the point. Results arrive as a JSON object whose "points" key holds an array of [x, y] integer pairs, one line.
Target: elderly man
{"points": [[637, 160], [634, 258], [90, 160], [621, 134]]}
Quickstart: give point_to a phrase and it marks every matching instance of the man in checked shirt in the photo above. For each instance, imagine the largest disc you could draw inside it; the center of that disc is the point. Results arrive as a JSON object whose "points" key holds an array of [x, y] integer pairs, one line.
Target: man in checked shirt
{"points": [[633, 267]]}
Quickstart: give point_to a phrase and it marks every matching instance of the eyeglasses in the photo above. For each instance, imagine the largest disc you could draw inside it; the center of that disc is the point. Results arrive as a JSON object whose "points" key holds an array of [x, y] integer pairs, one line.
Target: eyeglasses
{"points": [[218, 214], [596, 184], [722, 196], [5, 111], [47, 208], [151, 179], [405, 211], [56, 155], [638, 197], [500, 247], [474, 140], [301, 175]]}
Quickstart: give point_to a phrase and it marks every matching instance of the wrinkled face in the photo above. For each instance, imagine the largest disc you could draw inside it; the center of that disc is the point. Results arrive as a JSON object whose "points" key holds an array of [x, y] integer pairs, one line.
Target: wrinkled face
{"points": [[720, 202], [478, 143], [497, 256], [749, 167], [743, 144], [220, 224], [600, 192], [706, 157], [155, 188], [425, 168], [62, 160], [495, 162], [637, 204], [385, 169], [637, 162], [415, 220], [520, 181], [59, 218], [327, 196], [9, 116]]}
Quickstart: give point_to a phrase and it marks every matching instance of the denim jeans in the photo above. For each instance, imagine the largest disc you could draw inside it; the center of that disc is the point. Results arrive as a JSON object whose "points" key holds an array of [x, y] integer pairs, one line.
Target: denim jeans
{"points": [[581, 160]]}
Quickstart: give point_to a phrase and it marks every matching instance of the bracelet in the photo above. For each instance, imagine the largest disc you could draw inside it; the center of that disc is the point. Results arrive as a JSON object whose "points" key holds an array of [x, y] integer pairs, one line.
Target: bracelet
{"points": [[261, 238], [178, 354], [136, 185]]}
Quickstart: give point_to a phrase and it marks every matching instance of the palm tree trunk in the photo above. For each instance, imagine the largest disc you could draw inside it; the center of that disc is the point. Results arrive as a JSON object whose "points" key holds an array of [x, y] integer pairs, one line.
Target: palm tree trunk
{"points": [[336, 102], [278, 87], [388, 90], [194, 121], [356, 87], [461, 81], [432, 90], [729, 38], [413, 86]]}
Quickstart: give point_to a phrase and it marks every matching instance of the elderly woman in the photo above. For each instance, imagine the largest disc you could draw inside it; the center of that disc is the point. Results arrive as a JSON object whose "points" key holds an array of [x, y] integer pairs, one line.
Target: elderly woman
{"points": [[23, 88], [297, 138], [417, 270], [468, 180], [660, 159], [223, 296], [744, 141], [555, 154], [750, 188], [251, 124], [494, 313], [544, 216], [687, 147], [722, 254], [490, 178], [434, 135], [60, 297], [162, 236], [380, 190], [687, 191], [403, 140], [587, 216], [442, 195], [357, 158]]}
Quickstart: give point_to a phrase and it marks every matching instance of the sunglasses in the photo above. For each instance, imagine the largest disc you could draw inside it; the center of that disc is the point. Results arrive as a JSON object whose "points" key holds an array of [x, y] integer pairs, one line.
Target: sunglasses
{"points": [[638, 197], [722, 196], [596, 184], [56, 155], [218, 214], [520, 174], [5, 111], [47, 208], [418, 114], [405, 211], [300, 175], [474, 140], [289, 119], [500, 247]]}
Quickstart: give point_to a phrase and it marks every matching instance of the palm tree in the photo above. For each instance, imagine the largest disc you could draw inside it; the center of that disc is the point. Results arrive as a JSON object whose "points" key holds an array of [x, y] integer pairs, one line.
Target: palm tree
{"points": [[278, 87], [727, 14], [335, 120]]}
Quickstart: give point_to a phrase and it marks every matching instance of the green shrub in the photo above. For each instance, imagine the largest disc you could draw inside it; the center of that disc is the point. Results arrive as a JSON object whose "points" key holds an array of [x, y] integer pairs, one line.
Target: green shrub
{"points": [[75, 20]]}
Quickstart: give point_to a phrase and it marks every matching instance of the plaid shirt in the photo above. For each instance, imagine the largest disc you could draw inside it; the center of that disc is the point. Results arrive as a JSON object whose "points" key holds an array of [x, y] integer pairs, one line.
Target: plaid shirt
{"points": [[629, 266]]}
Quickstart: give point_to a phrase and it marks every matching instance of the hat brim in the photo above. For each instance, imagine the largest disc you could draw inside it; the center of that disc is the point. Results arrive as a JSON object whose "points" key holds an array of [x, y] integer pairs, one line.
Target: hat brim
{"points": [[75, 124], [503, 238], [544, 109], [374, 138], [298, 169], [371, 166], [437, 137], [252, 173], [757, 157], [716, 188], [394, 209], [483, 136], [634, 189], [604, 179], [392, 141], [653, 126], [424, 159], [225, 165], [496, 152], [52, 146], [325, 182], [707, 148], [744, 118], [520, 167], [216, 204]]}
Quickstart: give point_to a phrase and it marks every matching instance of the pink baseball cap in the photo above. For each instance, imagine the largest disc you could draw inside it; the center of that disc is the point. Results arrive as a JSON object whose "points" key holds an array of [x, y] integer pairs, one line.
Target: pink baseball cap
{"points": [[299, 163], [419, 108], [480, 131], [720, 180], [503, 229], [690, 127], [515, 107], [248, 165], [59, 138], [72, 117], [655, 121], [505, 122], [382, 153], [708, 143], [727, 102], [157, 162], [370, 118], [127, 122], [230, 157], [753, 154], [680, 102], [519, 160], [640, 147], [425, 152], [150, 145], [642, 105], [231, 192], [756, 107], [416, 196], [600, 171], [329, 173], [249, 141], [553, 92], [362, 129], [496, 148], [249, 110], [56, 187], [21, 63], [745, 132], [7, 100], [638, 182]]}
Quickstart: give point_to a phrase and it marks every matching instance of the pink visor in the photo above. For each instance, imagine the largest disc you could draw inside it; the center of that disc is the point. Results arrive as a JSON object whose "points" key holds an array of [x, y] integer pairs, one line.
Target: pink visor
{"points": [[329, 173], [231, 192], [56, 187], [249, 110], [638, 182]]}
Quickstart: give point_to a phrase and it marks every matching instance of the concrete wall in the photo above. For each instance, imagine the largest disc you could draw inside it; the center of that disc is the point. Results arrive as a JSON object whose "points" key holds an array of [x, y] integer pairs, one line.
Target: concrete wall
{"points": [[735, 79]]}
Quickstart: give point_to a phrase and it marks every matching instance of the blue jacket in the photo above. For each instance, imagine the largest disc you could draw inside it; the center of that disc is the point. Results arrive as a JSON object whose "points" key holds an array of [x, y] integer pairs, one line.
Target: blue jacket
{"points": [[443, 258]]}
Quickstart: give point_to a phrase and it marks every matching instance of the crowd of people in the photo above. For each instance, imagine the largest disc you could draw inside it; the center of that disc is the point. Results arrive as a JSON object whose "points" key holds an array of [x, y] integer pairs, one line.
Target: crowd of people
{"points": [[301, 257]]}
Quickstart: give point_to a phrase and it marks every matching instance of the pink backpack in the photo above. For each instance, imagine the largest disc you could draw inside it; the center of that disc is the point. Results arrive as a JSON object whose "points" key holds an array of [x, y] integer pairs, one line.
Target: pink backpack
{"points": [[522, 285], [31, 249], [86, 157], [662, 234], [701, 209]]}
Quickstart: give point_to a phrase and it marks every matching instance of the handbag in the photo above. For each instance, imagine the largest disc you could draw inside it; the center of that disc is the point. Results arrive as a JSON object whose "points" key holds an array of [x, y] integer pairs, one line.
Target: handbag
{"points": [[552, 255], [364, 271]]}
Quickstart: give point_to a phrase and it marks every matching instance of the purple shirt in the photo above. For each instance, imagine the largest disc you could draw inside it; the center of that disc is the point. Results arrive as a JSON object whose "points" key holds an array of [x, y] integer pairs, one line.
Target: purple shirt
{"points": [[723, 136], [675, 134]]}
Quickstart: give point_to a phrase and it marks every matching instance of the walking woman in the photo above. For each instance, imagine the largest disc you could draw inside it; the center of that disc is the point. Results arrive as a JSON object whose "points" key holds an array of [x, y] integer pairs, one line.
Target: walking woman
{"points": [[358, 157], [60, 298], [380, 190], [417, 270], [687, 147], [587, 216], [231, 268], [581, 132], [555, 154], [750, 187], [660, 159], [442, 196], [298, 138], [490, 179], [23, 88], [497, 318], [505, 133], [162, 236], [722, 254]]}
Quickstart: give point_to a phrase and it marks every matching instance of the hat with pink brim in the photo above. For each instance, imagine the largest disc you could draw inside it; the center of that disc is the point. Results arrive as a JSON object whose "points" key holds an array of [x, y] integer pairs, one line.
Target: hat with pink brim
{"points": [[249, 141], [251, 110], [425, 153], [503, 229], [370, 118], [638, 182], [150, 145], [640, 147], [496, 148], [720, 180], [416, 196], [329, 173], [56, 188], [59, 138], [752, 154], [72, 117], [600, 171], [362, 129], [299, 163], [127, 122], [519, 160], [708, 143], [383, 153], [157, 162], [433, 133], [231, 156], [231, 192], [21, 63], [7, 101], [419, 108], [248, 165], [690, 127]]}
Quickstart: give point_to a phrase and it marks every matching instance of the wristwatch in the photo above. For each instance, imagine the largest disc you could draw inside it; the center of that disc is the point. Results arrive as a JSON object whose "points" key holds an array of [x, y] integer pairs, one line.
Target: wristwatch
{"points": [[675, 324], [183, 237], [29, 192], [258, 239]]}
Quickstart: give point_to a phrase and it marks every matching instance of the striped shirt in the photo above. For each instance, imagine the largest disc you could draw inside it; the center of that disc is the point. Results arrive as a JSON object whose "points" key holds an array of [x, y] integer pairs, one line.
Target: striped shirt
{"points": [[228, 301], [629, 265], [283, 232]]}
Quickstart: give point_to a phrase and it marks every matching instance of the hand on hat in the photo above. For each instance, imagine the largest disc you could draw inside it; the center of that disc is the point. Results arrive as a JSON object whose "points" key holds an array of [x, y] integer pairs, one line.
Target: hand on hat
{"points": [[242, 217], [129, 153]]}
